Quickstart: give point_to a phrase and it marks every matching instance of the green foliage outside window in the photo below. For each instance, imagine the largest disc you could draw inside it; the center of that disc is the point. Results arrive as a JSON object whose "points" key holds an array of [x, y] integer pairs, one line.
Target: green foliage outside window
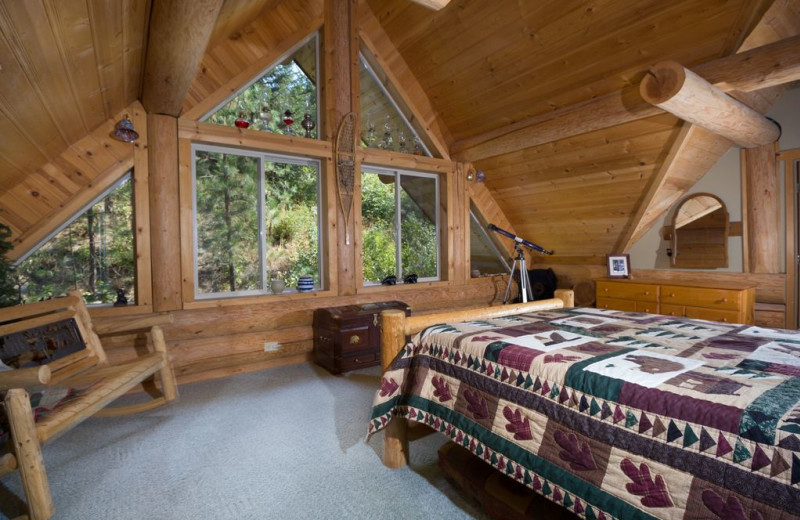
{"points": [[418, 241], [94, 254], [9, 295], [231, 257], [286, 86]]}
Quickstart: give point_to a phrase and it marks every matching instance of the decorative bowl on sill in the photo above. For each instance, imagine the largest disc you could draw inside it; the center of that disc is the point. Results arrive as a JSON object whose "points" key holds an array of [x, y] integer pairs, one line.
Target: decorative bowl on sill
{"points": [[305, 283]]}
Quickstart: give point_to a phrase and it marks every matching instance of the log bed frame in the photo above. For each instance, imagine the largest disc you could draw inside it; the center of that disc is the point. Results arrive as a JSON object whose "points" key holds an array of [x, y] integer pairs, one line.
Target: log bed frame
{"points": [[396, 328]]}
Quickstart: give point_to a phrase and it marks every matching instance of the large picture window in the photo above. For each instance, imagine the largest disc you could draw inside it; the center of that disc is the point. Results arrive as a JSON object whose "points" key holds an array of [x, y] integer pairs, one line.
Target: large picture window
{"points": [[256, 218], [92, 252], [400, 224]]}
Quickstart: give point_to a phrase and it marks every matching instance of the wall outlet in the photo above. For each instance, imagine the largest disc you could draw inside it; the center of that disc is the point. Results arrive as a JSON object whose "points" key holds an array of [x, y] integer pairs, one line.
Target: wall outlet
{"points": [[270, 346]]}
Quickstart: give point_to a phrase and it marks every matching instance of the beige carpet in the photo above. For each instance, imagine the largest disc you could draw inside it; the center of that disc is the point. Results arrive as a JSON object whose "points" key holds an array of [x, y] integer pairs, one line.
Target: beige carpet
{"points": [[284, 443]]}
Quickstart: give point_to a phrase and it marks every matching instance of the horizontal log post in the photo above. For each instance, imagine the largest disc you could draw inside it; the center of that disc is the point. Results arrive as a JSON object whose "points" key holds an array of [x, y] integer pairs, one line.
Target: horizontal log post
{"points": [[672, 87]]}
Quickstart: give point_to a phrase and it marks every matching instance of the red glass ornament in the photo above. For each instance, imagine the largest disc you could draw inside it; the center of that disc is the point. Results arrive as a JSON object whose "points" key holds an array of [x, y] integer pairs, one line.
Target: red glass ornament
{"points": [[288, 118], [241, 122]]}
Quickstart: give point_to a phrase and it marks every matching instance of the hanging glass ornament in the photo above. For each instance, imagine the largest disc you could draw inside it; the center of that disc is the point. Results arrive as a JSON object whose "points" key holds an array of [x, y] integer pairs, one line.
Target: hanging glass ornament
{"points": [[417, 146], [387, 142], [241, 121], [308, 124], [288, 119], [371, 134], [264, 116], [401, 142]]}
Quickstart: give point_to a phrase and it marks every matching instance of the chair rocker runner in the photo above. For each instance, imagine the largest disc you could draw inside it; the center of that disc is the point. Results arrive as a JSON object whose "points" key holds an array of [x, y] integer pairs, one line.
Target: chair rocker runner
{"points": [[50, 346]]}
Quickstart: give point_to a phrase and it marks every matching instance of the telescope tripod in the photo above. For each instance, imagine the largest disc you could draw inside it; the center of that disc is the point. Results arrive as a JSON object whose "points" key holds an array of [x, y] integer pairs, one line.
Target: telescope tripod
{"points": [[524, 282]]}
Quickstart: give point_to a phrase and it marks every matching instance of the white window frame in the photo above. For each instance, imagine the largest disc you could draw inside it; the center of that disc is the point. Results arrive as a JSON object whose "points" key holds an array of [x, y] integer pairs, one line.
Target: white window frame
{"points": [[262, 157], [398, 173]]}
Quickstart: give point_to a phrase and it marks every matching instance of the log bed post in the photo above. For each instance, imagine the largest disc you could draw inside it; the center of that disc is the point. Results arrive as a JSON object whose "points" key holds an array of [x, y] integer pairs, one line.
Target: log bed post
{"points": [[395, 328]]}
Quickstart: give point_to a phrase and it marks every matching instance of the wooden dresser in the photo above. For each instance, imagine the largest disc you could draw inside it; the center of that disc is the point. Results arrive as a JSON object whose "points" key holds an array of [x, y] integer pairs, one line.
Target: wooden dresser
{"points": [[717, 301]]}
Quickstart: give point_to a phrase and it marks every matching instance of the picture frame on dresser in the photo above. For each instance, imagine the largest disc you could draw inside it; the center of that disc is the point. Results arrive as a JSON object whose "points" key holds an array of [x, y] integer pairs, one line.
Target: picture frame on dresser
{"points": [[618, 266]]}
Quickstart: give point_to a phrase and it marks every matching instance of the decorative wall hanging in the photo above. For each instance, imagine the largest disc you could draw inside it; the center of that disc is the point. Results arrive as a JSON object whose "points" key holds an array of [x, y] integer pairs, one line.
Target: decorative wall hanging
{"points": [[346, 168]]}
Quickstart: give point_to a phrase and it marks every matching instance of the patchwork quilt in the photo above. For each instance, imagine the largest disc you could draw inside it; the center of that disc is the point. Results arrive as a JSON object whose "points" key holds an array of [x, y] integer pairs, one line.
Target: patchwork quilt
{"points": [[615, 414]]}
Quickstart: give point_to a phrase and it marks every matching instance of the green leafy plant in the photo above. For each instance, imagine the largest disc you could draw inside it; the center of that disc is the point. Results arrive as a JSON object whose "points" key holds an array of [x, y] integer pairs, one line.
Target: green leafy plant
{"points": [[8, 291]]}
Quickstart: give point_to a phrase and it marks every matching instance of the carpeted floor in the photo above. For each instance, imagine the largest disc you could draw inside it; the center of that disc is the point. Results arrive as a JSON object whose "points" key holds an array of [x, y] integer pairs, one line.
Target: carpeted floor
{"points": [[284, 443]]}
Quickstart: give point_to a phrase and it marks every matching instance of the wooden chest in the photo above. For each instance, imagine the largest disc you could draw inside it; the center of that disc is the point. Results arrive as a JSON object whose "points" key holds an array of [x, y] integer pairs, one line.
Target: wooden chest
{"points": [[349, 337]]}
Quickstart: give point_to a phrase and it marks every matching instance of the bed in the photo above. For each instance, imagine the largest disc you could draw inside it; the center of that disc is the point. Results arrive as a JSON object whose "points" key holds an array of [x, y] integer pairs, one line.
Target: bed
{"points": [[610, 414]]}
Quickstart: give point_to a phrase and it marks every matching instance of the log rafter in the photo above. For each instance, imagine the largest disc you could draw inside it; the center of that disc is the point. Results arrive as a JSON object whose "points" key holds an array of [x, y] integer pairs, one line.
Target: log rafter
{"points": [[760, 68], [179, 34]]}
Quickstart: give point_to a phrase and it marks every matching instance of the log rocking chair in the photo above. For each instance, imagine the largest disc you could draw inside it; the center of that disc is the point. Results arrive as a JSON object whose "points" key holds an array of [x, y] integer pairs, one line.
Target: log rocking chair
{"points": [[50, 352]]}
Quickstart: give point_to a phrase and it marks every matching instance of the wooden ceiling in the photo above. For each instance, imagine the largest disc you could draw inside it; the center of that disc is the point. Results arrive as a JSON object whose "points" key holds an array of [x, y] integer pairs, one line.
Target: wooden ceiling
{"points": [[520, 89]]}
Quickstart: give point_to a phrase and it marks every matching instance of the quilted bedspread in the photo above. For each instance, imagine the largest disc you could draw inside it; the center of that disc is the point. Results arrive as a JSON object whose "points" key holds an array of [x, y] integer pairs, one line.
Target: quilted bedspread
{"points": [[615, 414]]}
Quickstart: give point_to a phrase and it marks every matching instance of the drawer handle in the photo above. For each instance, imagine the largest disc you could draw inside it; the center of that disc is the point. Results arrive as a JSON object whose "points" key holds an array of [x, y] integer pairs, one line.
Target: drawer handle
{"points": [[354, 340], [605, 289], [724, 300], [672, 295], [646, 293], [375, 320]]}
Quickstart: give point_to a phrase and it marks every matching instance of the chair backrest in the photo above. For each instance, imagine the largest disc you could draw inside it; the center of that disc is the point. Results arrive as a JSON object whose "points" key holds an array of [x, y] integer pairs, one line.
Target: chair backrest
{"points": [[55, 332]]}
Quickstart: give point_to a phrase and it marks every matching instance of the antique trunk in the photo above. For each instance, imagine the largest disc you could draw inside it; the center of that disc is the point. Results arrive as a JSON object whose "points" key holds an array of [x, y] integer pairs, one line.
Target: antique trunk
{"points": [[349, 337]]}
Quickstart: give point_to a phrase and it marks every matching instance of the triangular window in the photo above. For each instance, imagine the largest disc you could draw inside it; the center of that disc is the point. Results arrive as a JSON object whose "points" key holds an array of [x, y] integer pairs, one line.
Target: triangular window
{"points": [[283, 100], [93, 252], [385, 123], [485, 250]]}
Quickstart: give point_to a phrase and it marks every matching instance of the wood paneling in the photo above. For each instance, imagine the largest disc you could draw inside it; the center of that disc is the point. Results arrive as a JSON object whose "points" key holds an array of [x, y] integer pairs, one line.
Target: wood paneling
{"points": [[247, 53], [68, 68]]}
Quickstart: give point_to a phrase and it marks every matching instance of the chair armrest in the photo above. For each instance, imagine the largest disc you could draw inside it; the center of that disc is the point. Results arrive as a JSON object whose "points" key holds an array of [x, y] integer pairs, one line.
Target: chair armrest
{"points": [[25, 377], [131, 324]]}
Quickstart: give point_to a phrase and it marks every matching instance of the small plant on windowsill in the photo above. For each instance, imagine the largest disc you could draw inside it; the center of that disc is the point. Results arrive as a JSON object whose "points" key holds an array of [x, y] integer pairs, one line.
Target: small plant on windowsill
{"points": [[278, 264], [277, 282]]}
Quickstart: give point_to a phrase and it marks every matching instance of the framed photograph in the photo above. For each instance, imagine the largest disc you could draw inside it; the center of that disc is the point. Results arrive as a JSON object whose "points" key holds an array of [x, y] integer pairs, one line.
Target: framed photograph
{"points": [[618, 266]]}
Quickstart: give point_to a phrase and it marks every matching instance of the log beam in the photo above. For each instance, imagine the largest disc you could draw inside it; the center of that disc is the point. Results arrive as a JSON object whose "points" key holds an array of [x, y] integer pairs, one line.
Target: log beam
{"points": [[672, 87], [760, 189], [164, 193], [179, 34], [763, 67], [341, 97]]}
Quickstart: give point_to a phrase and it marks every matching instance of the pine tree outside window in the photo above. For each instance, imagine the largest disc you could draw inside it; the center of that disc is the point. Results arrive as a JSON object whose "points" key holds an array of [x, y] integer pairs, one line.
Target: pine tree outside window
{"points": [[288, 86], [93, 253], [241, 196]]}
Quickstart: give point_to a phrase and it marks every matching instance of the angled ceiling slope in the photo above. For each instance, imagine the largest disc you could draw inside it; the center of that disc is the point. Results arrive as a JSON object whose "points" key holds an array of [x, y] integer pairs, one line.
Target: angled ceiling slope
{"points": [[572, 182]]}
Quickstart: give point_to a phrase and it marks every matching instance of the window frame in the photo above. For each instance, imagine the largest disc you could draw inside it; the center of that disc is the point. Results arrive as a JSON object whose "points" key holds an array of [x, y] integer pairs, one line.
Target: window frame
{"points": [[495, 246], [398, 173], [317, 47], [129, 175], [263, 156]]}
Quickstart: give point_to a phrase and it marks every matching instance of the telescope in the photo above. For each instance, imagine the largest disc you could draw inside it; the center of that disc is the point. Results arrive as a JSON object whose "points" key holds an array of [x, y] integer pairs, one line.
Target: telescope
{"points": [[520, 240]]}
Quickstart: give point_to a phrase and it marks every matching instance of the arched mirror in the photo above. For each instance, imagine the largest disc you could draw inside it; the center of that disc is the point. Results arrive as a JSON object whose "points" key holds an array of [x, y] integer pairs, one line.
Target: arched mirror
{"points": [[700, 233]]}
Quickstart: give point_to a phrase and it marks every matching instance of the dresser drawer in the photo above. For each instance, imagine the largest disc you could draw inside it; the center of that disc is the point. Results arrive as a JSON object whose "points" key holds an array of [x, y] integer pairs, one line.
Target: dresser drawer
{"points": [[704, 313], [713, 298], [362, 360], [647, 307], [616, 304], [641, 292], [669, 309]]}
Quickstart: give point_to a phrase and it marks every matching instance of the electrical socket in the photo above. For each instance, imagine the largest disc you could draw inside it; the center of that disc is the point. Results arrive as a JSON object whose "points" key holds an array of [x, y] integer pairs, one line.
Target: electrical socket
{"points": [[270, 346]]}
